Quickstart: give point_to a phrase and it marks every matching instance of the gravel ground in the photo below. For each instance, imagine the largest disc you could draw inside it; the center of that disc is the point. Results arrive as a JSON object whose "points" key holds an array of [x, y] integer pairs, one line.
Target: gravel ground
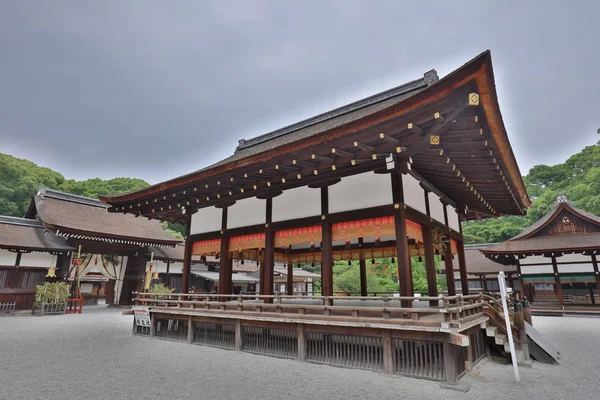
{"points": [[94, 356]]}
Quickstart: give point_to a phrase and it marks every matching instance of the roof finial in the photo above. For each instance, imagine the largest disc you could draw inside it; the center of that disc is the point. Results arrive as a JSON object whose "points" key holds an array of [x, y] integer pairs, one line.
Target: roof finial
{"points": [[561, 199]]}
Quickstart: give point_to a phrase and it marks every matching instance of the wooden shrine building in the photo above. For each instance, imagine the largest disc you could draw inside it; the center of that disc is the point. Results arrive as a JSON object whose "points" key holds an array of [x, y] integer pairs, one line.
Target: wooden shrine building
{"points": [[391, 175], [556, 257], [482, 273], [115, 248]]}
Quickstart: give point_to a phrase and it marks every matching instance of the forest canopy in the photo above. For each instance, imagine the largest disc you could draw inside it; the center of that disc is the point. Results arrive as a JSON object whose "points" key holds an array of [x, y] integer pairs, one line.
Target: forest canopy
{"points": [[578, 178]]}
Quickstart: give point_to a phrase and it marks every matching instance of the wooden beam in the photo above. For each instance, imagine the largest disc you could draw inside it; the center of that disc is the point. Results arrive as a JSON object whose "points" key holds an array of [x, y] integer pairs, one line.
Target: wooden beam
{"points": [[362, 264], [290, 280], [462, 265], [404, 266], [326, 246], [557, 284], [364, 147], [342, 153], [430, 264], [187, 258], [458, 340], [596, 272]]}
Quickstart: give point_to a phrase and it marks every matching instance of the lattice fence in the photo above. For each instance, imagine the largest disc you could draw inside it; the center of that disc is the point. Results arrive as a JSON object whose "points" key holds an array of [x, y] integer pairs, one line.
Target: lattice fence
{"points": [[419, 359], [212, 334], [345, 350], [272, 342], [173, 329]]}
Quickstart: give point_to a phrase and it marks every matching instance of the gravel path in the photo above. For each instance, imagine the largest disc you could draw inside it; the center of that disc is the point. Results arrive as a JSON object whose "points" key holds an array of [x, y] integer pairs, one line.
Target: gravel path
{"points": [[94, 356]]}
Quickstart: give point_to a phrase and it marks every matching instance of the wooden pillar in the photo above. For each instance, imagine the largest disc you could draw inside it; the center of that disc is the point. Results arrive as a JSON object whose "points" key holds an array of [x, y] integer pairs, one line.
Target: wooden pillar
{"points": [[362, 264], [327, 261], [190, 332], [430, 264], [451, 363], [238, 335], [520, 276], [326, 246], [596, 273], [388, 360], [301, 343], [592, 299], [519, 321], [269, 263], [167, 280], [290, 279], [449, 266], [462, 265], [187, 257], [485, 285], [405, 279], [557, 285], [225, 267]]}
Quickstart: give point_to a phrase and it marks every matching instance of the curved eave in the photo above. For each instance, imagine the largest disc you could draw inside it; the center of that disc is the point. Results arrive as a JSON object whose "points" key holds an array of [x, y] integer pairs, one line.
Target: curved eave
{"points": [[96, 236], [489, 98], [479, 70]]}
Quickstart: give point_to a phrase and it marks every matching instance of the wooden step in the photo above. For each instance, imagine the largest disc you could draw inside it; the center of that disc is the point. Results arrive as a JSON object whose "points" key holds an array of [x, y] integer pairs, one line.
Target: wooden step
{"points": [[500, 339]]}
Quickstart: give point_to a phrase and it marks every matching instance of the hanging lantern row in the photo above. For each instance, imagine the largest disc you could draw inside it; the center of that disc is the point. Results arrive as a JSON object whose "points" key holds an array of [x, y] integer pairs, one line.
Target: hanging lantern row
{"points": [[287, 237], [252, 241], [206, 247]]}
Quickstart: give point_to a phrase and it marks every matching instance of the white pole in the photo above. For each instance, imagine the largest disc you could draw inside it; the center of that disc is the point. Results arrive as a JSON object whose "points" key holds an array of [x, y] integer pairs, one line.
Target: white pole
{"points": [[502, 284]]}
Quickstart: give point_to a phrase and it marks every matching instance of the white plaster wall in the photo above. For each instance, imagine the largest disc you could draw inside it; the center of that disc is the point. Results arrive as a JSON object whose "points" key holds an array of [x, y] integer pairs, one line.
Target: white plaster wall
{"points": [[537, 269], [536, 260], [573, 258], [360, 191], [436, 207], [453, 220], [573, 268], [413, 193], [45, 260], [206, 220], [297, 203], [176, 268], [247, 212], [159, 266], [7, 258]]}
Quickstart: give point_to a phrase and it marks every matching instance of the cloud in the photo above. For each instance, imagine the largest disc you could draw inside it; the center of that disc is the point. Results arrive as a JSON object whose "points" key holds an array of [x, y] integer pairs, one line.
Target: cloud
{"points": [[159, 89]]}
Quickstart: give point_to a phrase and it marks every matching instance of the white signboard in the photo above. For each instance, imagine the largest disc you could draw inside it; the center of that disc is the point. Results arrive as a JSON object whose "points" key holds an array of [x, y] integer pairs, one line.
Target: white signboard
{"points": [[142, 316]]}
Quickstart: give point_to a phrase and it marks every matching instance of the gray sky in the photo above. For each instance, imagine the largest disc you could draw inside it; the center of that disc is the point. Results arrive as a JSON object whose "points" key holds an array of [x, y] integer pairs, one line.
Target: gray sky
{"points": [[157, 89]]}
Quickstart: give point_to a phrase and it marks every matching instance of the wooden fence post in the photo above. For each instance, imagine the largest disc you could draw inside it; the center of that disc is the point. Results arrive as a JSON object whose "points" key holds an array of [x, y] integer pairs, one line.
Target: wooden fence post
{"points": [[190, 333], [388, 359], [301, 343], [450, 359], [152, 325], [238, 334]]}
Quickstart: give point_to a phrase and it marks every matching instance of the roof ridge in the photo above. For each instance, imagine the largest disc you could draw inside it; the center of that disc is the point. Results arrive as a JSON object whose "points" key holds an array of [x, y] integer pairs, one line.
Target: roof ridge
{"points": [[429, 78], [8, 220], [74, 198]]}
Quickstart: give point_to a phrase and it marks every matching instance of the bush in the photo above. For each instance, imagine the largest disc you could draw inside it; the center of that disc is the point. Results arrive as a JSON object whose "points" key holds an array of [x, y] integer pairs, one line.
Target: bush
{"points": [[51, 293], [160, 288]]}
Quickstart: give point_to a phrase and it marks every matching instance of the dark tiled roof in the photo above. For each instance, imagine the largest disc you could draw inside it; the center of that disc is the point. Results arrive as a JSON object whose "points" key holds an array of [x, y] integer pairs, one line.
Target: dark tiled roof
{"points": [[78, 215], [525, 243], [477, 263], [27, 234], [173, 254], [429, 78], [559, 243], [561, 203]]}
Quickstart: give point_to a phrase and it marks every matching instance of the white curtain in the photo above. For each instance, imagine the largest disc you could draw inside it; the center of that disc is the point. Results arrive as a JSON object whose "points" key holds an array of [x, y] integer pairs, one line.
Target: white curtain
{"points": [[120, 274]]}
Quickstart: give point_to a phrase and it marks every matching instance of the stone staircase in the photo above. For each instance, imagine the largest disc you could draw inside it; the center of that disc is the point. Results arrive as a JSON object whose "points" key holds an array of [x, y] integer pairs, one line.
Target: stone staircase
{"points": [[502, 344]]}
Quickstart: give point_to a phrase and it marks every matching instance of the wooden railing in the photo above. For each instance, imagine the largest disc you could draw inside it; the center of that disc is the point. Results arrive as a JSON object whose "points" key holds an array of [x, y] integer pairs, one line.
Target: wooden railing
{"points": [[453, 309]]}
